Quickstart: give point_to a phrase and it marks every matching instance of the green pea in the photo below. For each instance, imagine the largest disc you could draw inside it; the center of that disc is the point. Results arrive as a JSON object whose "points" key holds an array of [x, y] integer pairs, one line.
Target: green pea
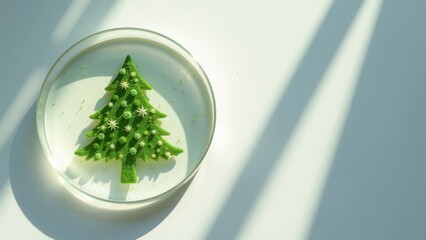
{"points": [[122, 140], [137, 136], [127, 115], [101, 136], [137, 102], [123, 103]]}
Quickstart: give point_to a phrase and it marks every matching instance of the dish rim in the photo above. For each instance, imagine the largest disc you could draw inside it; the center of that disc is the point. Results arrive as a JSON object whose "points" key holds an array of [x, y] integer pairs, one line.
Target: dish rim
{"points": [[40, 110]]}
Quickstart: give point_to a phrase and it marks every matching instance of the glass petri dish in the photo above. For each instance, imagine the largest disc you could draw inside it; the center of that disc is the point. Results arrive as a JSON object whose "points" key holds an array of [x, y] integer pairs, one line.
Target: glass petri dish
{"points": [[74, 89]]}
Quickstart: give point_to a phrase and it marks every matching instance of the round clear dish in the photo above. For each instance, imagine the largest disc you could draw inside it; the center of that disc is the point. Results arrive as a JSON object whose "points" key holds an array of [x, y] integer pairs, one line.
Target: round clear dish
{"points": [[74, 89]]}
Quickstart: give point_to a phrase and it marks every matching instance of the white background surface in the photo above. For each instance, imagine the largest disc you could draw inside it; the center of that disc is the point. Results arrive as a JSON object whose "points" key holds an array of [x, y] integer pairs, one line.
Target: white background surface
{"points": [[320, 120]]}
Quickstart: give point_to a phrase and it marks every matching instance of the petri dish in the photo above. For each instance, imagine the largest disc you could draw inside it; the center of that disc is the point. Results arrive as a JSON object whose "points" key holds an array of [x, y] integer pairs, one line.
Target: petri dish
{"points": [[74, 88]]}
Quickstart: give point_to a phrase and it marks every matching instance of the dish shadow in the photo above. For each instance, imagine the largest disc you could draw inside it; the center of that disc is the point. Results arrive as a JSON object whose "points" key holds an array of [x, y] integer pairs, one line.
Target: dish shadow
{"points": [[16, 36], [60, 215], [27, 29]]}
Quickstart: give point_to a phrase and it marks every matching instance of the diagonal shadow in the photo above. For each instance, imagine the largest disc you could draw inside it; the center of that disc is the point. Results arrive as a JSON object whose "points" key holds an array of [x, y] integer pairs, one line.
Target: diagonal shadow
{"points": [[56, 212], [376, 185], [23, 46], [89, 21], [46, 206], [284, 119], [29, 42]]}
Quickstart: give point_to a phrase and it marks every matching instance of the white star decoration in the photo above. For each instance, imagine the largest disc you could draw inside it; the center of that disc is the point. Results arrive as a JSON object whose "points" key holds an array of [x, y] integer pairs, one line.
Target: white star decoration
{"points": [[128, 128], [110, 104], [142, 143], [112, 124], [141, 111], [124, 85]]}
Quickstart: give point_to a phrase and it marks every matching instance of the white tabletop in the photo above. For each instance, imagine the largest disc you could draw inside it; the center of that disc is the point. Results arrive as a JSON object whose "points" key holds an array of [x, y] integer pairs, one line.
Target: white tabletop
{"points": [[321, 114]]}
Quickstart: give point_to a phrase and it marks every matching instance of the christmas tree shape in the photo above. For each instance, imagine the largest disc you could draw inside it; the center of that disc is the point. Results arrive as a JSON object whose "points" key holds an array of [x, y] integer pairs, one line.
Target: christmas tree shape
{"points": [[128, 127]]}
